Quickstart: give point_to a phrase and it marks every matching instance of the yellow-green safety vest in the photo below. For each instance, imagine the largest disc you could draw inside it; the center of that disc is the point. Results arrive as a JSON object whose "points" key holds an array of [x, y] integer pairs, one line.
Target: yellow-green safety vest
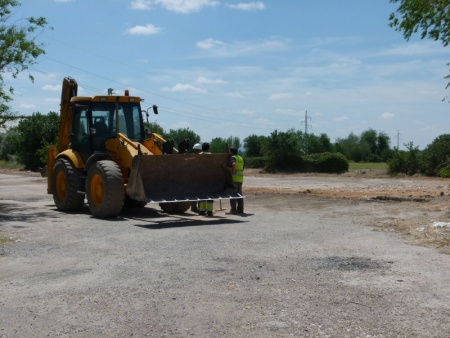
{"points": [[238, 176]]}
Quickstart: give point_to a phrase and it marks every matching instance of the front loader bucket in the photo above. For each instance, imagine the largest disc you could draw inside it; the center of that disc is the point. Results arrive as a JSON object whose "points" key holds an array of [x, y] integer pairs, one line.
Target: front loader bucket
{"points": [[180, 177]]}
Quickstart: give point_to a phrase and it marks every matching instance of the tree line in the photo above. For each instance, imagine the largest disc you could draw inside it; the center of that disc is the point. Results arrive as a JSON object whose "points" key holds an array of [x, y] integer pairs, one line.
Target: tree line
{"points": [[290, 150], [27, 142]]}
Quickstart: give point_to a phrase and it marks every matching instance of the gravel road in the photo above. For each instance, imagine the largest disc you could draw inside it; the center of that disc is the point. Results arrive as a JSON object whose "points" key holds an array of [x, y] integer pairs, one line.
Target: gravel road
{"points": [[294, 265]]}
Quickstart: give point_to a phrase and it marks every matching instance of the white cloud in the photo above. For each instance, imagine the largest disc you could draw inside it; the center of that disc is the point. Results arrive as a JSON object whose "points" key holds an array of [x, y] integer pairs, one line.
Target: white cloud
{"points": [[289, 112], [181, 125], [209, 43], [141, 4], [203, 80], [247, 112], [234, 95], [185, 6], [52, 88], [148, 29], [342, 118], [387, 116], [264, 122], [216, 48], [412, 49], [249, 6], [281, 96], [52, 100], [180, 87], [27, 106]]}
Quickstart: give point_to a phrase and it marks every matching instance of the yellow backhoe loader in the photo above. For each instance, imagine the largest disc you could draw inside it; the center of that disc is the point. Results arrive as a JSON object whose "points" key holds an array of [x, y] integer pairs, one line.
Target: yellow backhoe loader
{"points": [[105, 155]]}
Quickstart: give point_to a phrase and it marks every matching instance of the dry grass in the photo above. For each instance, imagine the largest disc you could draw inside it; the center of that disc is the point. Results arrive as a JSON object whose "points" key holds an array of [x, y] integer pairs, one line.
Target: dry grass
{"points": [[5, 239], [418, 227]]}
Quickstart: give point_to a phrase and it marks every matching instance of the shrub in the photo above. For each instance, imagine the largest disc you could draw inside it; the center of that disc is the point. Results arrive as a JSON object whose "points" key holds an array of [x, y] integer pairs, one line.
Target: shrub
{"points": [[326, 163], [255, 162]]}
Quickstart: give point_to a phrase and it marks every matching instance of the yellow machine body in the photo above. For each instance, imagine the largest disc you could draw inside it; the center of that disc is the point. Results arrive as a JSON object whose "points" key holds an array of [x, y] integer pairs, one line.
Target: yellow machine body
{"points": [[105, 155]]}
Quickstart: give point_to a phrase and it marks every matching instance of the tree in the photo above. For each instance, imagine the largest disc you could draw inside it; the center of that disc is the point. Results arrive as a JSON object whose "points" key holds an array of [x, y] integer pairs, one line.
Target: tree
{"points": [[181, 134], [350, 147], [18, 51], [8, 144], [319, 144], [436, 155], [221, 145], [405, 162], [36, 133], [155, 127], [370, 146], [253, 145], [283, 150], [218, 145], [430, 17]]}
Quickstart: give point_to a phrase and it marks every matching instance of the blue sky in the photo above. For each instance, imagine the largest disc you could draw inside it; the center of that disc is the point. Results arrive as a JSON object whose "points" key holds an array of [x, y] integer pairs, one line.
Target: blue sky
{"points": [[237, 68]]}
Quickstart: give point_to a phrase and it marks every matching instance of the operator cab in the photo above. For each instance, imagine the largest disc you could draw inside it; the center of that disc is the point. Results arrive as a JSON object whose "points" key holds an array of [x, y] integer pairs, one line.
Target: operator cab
{"points": [[95, 122]]}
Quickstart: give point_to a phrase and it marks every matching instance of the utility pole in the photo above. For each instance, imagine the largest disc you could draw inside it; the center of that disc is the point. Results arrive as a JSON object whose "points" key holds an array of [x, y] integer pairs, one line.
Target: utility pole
{"points": [[305, 137], [398, 139]]}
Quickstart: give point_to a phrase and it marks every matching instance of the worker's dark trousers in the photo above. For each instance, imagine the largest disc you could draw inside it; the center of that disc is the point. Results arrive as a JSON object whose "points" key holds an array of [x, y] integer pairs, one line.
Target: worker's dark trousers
{"points": [[239, 201]]}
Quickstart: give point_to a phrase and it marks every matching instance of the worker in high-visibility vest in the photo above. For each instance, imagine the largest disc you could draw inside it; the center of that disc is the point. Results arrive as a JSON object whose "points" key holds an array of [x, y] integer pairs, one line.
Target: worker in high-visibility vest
{"points": [[237, 171]]}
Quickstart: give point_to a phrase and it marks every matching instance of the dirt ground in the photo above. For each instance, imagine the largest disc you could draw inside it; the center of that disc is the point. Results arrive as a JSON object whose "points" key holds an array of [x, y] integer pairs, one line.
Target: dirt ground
{"points": [[428, 198], [352, 255]]}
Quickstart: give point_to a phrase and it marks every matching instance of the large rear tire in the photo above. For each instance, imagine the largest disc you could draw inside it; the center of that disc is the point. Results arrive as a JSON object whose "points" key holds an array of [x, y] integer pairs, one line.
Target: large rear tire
{"points": [[175, 208], [104, 189], [66, 184]]}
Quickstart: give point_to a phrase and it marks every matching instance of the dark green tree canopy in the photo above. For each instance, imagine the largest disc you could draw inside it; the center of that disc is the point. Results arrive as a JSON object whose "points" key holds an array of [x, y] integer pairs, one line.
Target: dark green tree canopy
{"points": [[429, 17], [35, 134], [19, 50], [180, 134]]}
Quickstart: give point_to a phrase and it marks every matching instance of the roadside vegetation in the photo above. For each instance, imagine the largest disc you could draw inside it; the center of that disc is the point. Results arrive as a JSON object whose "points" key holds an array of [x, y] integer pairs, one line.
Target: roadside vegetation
{"points": [[25, 146], [26, 143]]}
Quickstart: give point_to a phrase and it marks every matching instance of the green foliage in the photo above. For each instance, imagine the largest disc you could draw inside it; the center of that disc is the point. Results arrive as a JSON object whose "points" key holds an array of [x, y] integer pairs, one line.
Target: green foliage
{"points": [[155, 127], [436, 156], [18, 50], [283, 150], [445, 172], [370, 146], [255, 162], [318, 144], [368, 166], [254, 145], [326, 163], [36, 133], [180, 134], [218, 145], [405, 162], [8, 144], [430, 18], [221, 145]]}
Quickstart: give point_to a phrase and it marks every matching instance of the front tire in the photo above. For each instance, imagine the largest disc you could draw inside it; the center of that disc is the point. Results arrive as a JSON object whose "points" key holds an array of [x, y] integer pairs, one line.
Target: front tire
{"points": [[66, 184], [104, 189]]}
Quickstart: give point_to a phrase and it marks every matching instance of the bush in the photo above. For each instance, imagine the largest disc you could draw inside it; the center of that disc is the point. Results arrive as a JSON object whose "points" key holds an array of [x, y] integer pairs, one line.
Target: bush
{"points": [[444, 172], [35, 134], [435, 155], [405, 162], [255, 162], [294, 163], [326, 163]]}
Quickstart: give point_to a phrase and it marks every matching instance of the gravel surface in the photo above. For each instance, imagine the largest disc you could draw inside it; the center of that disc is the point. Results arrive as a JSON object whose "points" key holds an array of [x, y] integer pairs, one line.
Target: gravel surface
{"points": [[298, 263]]}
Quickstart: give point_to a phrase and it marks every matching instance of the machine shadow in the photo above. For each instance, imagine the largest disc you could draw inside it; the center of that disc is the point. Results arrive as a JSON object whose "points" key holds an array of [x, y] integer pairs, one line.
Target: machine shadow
{"points": [[160, 220]]}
